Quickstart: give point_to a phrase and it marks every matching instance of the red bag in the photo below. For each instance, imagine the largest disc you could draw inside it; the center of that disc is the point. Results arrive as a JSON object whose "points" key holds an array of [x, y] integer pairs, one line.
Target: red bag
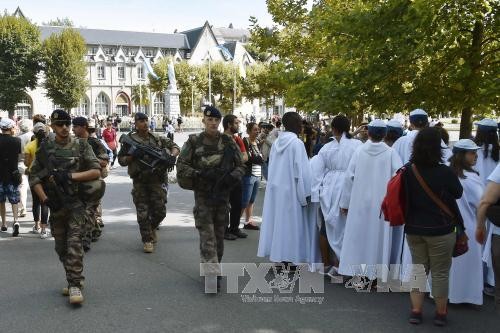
{"points": [[394, 204]]}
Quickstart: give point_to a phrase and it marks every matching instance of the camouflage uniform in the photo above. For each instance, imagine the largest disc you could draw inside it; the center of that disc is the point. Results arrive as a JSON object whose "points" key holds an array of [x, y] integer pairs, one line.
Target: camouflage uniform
{"points": [[211, 210], [94, 209], [148, 193], [67, 223]]}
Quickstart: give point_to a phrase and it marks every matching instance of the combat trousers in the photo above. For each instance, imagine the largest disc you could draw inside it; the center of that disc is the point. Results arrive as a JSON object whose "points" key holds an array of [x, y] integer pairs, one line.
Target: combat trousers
{"points": [[211, 221], [67, 227], [92, 227], [149, 200]]}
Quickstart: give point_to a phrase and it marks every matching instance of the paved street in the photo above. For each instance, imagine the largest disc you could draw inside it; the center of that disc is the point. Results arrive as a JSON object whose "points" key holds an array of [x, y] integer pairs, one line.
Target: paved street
{"points": [[129, 291]]}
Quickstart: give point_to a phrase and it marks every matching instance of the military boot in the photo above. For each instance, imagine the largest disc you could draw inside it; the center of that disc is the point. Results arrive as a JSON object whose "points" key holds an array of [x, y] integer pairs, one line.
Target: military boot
{"points": [[75, 295], [148, 247]]}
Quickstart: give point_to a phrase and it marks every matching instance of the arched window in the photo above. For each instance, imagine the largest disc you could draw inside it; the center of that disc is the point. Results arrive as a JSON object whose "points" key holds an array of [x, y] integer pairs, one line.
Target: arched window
{"points": [[83, 108], [122, 105], [158, 105], [102, 105]]}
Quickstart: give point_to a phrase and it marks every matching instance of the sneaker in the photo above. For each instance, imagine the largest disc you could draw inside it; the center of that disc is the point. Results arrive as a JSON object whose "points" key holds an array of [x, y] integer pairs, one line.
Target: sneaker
{"points": [[15, 233], [415, 318], [3, 229], [489, 291], [148, 247], [65, 290], [75, 295], [35, 230], [229, 236], [250, 226], [44, 234], [238, 233], [440, 320]]}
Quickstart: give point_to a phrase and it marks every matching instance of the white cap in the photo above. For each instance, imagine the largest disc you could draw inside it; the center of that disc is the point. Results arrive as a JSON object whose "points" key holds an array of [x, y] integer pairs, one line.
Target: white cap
{"points": [[91, 123], [418, 112], [394, 123], [38, 126], [7, 123], [465, 144], [487, 123], [377, 123]]}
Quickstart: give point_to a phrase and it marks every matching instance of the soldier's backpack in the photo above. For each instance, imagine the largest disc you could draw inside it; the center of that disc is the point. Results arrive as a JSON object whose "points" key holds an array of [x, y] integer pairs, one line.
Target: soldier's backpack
{"points": [[92, 190]]}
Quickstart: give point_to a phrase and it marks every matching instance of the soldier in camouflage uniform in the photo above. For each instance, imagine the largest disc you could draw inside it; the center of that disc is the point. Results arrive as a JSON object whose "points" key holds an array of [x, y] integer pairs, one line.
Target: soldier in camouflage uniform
{"points": [[81, 129], [204, 166], [148, 192], [67, 161]]}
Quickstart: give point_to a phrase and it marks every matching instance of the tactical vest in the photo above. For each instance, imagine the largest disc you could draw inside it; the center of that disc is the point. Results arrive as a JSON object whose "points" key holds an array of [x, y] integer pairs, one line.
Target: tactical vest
{"points": [[203, 157], [70, 158]]}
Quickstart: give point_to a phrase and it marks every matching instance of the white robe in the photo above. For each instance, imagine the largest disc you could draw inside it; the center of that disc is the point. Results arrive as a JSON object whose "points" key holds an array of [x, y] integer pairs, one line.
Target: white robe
{"points": [[485, 165], [328, 182], [400, 250], [367, 237], [466, 274], [286, 233]]}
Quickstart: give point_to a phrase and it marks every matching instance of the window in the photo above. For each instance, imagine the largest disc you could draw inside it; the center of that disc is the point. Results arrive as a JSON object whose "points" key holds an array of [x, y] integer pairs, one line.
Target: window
{"points": [[92, 50], [140, 72], [100, 72], [158, 105], [23, 109], [121, 72], [109, 51], [101, 105], [148, 53], [82, 109], [132, 52]]}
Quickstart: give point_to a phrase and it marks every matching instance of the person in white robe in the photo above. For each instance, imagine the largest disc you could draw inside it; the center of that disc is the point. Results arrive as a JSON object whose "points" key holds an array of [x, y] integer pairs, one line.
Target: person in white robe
{"points": [[367, 237], [404, 147], [466, 274], [285, 231], [488, 156], [328, 181]]}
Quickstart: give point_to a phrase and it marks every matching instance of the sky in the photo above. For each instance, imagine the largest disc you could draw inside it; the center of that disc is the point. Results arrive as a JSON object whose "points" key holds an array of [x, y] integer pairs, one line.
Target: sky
{"points": [[146, 15]]}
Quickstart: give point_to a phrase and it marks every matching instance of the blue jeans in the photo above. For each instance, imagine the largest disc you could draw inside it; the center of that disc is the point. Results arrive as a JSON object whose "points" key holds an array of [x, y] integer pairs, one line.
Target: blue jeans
{"points": [[250, 189]]}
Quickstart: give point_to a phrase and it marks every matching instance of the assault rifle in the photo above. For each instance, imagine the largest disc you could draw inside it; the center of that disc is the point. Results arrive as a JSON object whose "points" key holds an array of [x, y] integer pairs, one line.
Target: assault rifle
{"points": [[153, 158], [221, 186]]}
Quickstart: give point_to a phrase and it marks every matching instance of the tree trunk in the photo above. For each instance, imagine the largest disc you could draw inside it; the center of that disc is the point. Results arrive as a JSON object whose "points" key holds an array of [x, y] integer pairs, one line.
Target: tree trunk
{"points": [[471, 82]]}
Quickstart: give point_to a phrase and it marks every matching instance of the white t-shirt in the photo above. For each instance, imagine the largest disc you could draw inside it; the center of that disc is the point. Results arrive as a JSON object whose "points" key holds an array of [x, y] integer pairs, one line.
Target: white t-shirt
{"points": [[495, 177]]}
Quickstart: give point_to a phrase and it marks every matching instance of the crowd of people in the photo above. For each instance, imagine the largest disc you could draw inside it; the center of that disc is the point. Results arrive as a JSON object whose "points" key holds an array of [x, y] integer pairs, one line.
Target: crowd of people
{"points": [[324, 188], [328, 208]]}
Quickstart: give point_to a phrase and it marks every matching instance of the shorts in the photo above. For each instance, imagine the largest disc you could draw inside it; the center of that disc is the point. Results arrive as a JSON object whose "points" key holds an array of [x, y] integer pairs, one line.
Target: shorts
{"points": [[250, 187], [10, 192]]}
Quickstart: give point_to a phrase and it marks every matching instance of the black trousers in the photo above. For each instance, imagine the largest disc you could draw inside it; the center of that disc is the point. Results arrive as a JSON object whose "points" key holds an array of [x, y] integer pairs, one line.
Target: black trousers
{"points": [[235, 200]]}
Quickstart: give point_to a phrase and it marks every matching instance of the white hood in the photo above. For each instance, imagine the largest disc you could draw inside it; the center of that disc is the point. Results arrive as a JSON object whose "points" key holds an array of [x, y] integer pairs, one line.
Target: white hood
{"points": [[284, 140], [375, 148]]}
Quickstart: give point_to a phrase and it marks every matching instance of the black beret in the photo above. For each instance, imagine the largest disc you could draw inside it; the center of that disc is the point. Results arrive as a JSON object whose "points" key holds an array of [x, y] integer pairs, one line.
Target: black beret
{"points": [[140, 115], [211, 111], [80, 121], [59, 115]]}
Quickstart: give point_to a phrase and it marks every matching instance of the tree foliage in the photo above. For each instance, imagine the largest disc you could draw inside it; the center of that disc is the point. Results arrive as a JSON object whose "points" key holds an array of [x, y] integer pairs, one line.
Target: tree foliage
{"points": [[20, 57], [65, 68], [140, 95], [60, 22], [387, 56]]}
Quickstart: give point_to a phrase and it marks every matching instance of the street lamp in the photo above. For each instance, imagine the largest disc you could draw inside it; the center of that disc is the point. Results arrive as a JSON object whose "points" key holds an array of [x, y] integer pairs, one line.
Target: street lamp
{"points": [[191, 78]]}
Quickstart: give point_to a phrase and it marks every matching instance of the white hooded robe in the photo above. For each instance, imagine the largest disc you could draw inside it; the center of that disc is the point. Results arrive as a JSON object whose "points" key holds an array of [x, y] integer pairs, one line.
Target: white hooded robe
{"points": [[328, 181], [285, 233], [367, 237]]}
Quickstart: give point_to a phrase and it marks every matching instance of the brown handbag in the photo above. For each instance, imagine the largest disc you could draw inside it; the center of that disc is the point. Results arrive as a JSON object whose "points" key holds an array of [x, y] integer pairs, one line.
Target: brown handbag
{"points": [[461, 245]]}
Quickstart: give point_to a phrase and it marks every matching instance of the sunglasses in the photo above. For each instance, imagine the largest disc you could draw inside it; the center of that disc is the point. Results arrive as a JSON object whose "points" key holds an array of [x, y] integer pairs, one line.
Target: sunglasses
{"points": [[62, 123]]}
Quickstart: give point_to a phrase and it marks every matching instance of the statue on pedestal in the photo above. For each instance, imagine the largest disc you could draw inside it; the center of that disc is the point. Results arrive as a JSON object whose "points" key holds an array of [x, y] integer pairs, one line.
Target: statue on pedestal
{"points": [[172, 83]]}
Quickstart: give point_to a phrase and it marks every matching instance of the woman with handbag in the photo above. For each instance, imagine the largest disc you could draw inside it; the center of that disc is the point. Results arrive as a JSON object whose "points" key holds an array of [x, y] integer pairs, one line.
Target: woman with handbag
{"points": [[466, 274], [432, 217]]}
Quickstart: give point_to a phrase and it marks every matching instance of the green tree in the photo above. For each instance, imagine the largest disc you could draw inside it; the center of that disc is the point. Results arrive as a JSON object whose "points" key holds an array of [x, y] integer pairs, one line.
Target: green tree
{"points": [[140, 95], [65, 68], [20, 57], [387, 56]]}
